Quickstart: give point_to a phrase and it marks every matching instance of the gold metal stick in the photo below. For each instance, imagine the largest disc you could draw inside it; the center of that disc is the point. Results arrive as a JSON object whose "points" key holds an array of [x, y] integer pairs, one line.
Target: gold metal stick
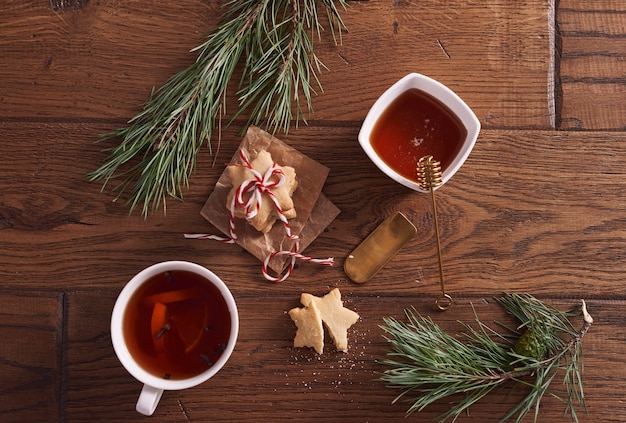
{"points": [[428, 178]]}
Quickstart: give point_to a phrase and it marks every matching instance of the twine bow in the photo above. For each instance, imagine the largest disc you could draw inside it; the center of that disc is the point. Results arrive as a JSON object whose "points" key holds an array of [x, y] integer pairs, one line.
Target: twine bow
{"points": [[248, 196]]}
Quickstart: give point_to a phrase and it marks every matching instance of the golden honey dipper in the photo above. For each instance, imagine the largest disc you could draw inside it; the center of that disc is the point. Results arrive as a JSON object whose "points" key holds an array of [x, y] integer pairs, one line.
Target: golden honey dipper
{"points": [[428, 178]]}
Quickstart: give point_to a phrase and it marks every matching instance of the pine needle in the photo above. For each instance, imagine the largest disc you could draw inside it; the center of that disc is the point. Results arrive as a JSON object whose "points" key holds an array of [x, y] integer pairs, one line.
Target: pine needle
{"points": [[271, 42], [427, 365]]}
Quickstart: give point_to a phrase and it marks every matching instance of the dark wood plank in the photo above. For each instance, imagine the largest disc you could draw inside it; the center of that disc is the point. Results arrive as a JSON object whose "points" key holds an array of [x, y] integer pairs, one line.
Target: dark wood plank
{"points": [[592, 64], [265, 369], [101, 61], [497, 47], [97, 61], [529, 211], [30, 356], [533, 209]]}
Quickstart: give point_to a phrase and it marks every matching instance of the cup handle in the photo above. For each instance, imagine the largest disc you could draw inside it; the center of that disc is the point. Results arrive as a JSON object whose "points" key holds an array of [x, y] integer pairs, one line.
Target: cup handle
{"points": [[148, 400]]}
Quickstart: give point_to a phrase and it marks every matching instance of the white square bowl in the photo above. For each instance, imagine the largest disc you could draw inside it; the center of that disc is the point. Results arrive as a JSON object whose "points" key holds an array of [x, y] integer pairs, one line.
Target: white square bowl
{"points": [[442, 94]]}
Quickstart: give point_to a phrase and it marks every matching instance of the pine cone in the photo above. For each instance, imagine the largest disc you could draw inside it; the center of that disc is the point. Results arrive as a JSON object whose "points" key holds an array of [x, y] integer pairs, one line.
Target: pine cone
{"points": [[532, 344]]}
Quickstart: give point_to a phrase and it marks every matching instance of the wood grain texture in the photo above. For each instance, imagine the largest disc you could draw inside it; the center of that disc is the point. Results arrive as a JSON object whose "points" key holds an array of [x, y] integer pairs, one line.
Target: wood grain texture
{"points": [[593, 64], [31, 332], [102, 60], [466, 45], [99, 61], [266, 376], [538, 207], [510, 219]]}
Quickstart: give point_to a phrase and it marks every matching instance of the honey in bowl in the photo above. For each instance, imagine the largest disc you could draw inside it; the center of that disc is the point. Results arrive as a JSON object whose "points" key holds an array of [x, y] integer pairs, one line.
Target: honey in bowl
{"points": [[176, 325], [414, 125]]}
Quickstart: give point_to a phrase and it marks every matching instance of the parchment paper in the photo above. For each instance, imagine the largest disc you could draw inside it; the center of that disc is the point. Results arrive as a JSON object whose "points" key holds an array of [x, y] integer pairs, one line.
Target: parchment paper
{"points": [[314, 210]]}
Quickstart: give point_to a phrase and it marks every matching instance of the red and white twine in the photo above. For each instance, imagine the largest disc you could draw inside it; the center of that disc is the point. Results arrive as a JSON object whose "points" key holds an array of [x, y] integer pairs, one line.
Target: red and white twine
{"points": [[248, 196]]}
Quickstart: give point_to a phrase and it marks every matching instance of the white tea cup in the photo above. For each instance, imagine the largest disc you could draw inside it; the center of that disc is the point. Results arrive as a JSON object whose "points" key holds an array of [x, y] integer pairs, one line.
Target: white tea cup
{"points": [[126, 346]]}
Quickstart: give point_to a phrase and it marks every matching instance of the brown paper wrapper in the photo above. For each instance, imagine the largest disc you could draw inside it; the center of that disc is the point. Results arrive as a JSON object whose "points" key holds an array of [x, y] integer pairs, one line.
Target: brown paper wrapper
{"points": [[314, 210]]}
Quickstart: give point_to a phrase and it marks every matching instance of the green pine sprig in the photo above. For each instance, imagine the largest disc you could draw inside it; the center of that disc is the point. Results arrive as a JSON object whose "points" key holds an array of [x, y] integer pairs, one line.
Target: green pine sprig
{"points": [[271, 43], [427, 364]]}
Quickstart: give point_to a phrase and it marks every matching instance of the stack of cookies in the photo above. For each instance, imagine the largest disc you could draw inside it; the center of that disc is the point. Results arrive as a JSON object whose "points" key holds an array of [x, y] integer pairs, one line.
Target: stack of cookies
{"points": [[299, 197]]}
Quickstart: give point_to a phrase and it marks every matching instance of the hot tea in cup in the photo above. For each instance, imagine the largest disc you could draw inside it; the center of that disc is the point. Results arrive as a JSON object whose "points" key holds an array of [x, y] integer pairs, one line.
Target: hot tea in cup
{"points": [[173, 326]]}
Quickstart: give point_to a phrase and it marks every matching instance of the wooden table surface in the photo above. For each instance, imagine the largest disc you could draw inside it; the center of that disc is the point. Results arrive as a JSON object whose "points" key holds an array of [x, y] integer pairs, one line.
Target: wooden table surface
{"points": [[539, 206]]}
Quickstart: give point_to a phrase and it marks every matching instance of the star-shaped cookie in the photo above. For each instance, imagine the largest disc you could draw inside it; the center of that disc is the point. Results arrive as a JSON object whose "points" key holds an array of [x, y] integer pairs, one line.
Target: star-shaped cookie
{"points": [[335, 316], [267, 214], [310, 331]]}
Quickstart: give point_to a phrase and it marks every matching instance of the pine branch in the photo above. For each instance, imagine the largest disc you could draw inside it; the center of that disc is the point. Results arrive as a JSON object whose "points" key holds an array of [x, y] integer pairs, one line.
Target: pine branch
{"points": [[427, 364], [272, 42]]}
